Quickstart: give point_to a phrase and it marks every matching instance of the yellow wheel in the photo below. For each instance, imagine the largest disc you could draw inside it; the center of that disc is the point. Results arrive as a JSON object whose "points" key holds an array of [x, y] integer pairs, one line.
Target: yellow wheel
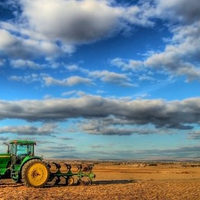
{"points": [[35, 173]]}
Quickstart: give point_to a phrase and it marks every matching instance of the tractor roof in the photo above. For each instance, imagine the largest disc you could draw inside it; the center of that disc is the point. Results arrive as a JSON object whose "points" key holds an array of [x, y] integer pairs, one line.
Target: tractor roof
{"points": [[22, 142]]}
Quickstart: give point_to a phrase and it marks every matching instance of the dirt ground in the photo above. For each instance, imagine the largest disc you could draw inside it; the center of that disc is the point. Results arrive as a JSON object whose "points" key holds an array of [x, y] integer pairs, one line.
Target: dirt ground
{"points": [[120, 181]]}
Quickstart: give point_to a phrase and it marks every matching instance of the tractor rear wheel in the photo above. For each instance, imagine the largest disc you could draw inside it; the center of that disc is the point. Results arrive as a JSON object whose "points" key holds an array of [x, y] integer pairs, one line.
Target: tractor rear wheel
{"points": [[35, 173]]}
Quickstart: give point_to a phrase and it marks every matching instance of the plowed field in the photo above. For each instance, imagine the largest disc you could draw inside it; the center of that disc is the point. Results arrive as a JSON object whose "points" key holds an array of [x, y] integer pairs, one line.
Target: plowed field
{"points": [[119, 181]]}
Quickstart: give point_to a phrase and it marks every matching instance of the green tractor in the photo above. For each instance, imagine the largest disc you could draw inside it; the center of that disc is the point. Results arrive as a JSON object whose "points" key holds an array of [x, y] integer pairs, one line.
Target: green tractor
{"points": [[20, 164]]}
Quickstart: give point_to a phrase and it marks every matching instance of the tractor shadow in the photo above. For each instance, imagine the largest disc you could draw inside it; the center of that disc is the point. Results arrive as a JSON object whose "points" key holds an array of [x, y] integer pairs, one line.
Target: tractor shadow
{"points": [[9, 183], [109, 182], [96, 183]]}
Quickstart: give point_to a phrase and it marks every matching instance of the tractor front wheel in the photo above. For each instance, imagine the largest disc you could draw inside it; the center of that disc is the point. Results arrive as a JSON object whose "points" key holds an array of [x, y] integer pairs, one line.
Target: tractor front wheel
{"points": [[35, 173]]}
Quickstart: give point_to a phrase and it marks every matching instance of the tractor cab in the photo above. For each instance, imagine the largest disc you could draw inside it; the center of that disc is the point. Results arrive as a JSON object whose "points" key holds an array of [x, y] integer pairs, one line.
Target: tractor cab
{"points": [[19, 149]]}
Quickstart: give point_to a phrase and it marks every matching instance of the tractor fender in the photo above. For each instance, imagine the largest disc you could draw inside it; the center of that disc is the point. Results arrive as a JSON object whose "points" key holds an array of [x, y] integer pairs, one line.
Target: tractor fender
{"points": [[28, 158]]}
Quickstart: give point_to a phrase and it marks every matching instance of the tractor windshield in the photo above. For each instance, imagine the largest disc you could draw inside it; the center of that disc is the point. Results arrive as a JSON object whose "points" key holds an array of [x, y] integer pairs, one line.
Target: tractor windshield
{"points": [[23, 150]]}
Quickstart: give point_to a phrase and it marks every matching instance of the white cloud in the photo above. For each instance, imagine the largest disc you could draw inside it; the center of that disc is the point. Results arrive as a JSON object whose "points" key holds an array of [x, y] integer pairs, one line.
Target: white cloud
{"points": [[182, 56], [19, 47], [46, 129], [181, 115], [74, 67], [79, 21], [70, 81], [49, 27], [50, 30], [111, 77], [179, 10], [70, 21], [104, 75], [132, 65], [26, 79], [23, 64], [6, 39]]}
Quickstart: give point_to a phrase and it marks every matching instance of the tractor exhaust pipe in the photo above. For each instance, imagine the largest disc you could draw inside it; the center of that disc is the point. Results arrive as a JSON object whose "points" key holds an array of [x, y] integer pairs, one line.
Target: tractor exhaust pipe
{"points": [[8, 151]]}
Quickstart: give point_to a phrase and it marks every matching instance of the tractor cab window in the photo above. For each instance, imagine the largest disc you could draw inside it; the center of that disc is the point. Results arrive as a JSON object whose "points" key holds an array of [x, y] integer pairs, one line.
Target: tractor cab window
{"points": [[24, 150]]}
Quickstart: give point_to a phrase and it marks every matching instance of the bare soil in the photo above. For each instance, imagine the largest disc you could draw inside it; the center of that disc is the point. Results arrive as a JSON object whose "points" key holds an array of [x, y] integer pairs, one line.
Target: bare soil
{"points": [[120, 181]]}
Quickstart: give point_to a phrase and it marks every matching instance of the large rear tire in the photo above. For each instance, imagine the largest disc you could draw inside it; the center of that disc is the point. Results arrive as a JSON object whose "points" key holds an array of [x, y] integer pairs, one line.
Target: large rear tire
{"points": [[35, 173]]}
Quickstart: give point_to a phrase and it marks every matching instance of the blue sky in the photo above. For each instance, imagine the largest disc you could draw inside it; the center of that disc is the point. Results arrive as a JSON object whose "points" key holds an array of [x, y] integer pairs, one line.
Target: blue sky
{"points": [[99, 79]]}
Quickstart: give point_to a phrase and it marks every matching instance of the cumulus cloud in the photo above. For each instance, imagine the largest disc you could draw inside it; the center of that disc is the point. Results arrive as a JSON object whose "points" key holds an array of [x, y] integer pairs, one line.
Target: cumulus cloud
{"points": [[74, 67], [52, 29], [46, 129], [19, 47], [70, 81], [114, 126], [26, 79], [80, 21], [181, 53], [182, 56], [96, 128], [105, 76], [24, 64], [49, 28], [179, 58], [132, 65], [180, 10], [6, 39], [70, 21], [111, 77], [167, 114]]}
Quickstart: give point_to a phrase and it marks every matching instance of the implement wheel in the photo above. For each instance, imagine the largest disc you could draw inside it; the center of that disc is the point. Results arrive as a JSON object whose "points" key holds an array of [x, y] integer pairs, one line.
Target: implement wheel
{"points": [[85, 181], [70, 181], [35, 173]]}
